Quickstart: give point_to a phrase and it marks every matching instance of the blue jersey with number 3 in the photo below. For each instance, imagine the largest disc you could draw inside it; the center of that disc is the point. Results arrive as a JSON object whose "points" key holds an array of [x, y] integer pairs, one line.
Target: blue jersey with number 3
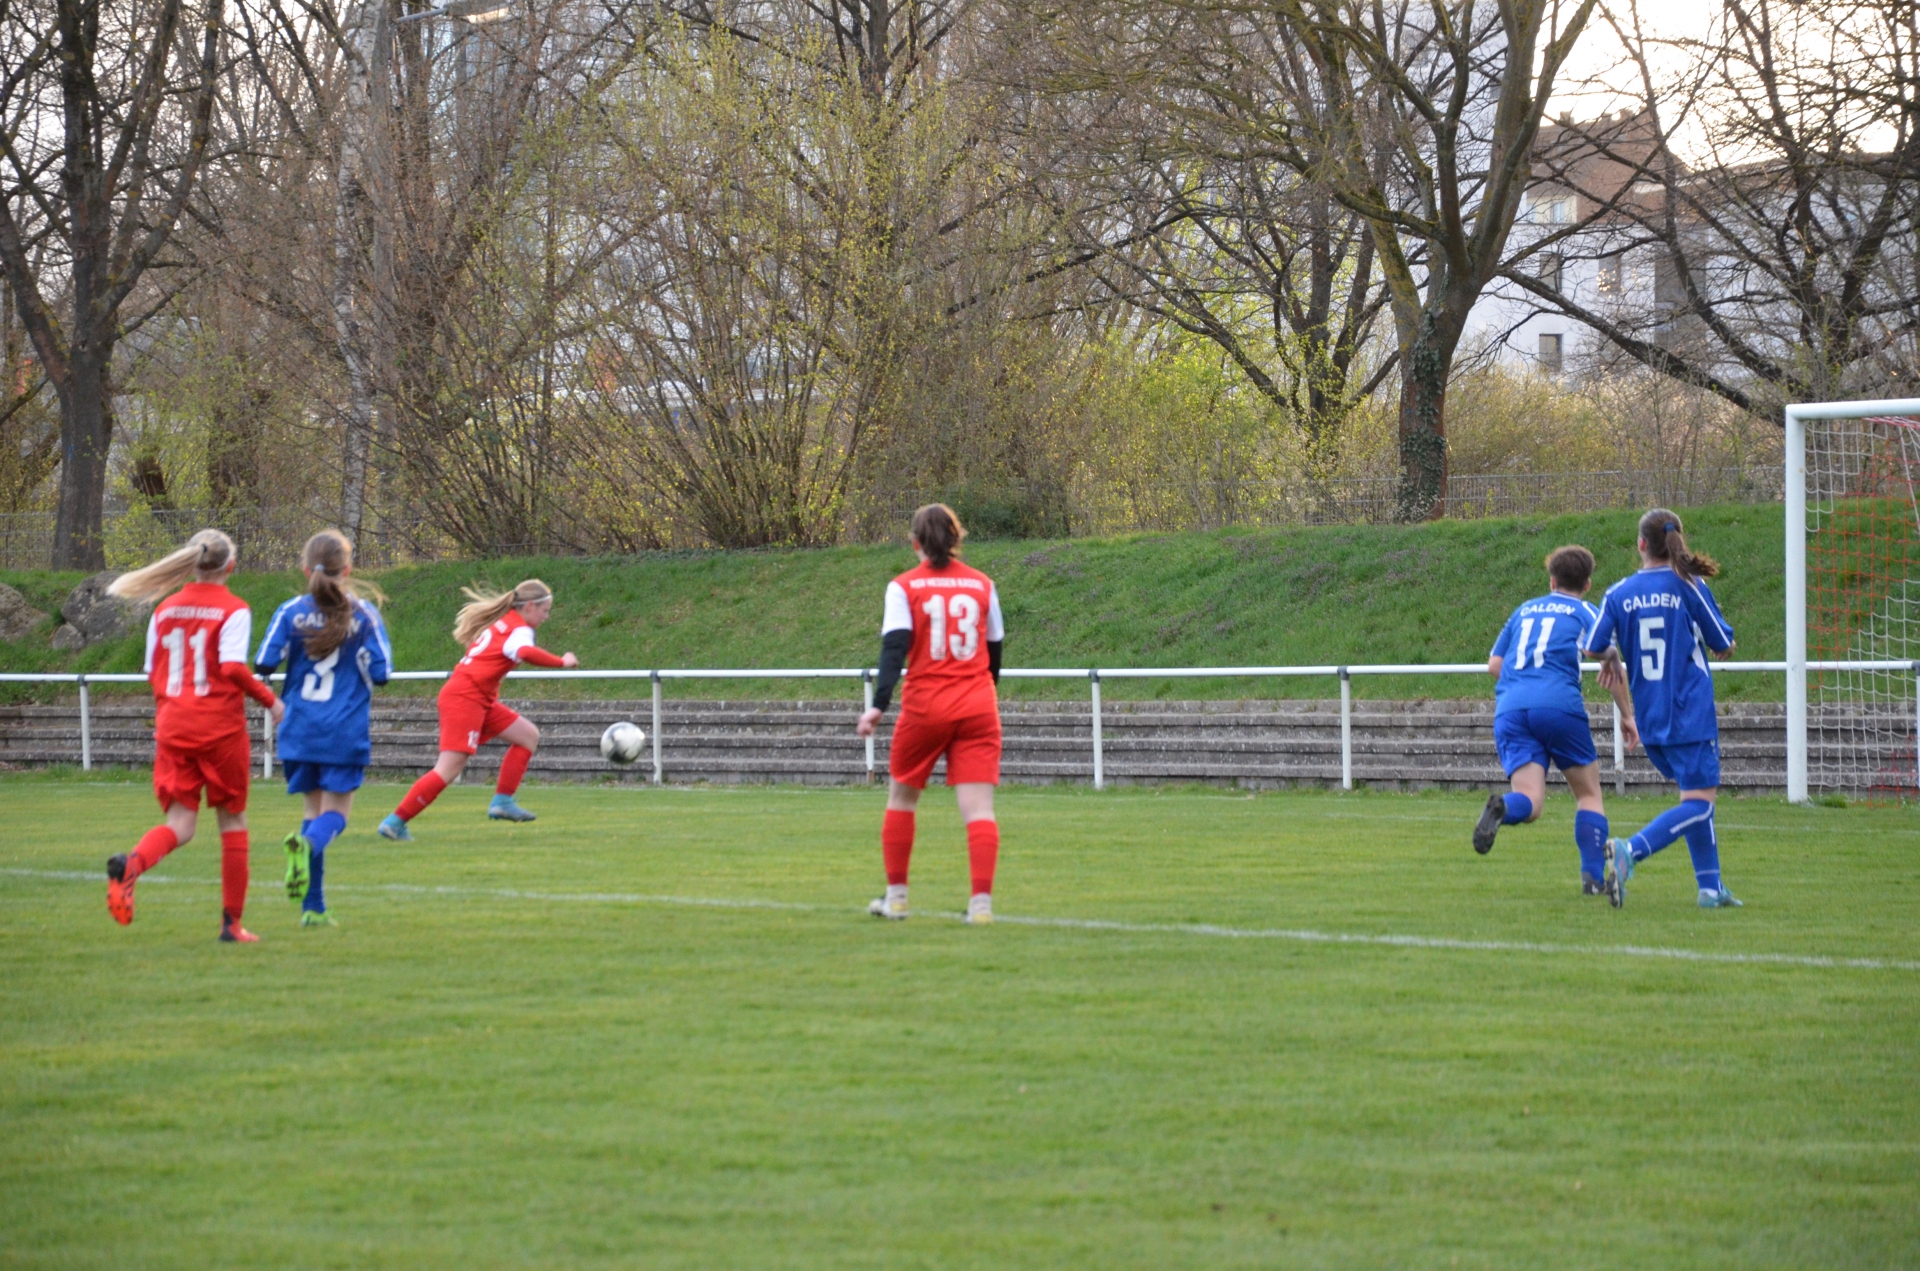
{"points": [[329, 700], [1540, 651], [1664, 625]]}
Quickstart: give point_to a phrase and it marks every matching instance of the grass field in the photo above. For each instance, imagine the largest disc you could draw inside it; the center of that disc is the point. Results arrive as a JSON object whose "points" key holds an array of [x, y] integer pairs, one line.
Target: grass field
{"points": [[1362, 593], [656, 1030]]}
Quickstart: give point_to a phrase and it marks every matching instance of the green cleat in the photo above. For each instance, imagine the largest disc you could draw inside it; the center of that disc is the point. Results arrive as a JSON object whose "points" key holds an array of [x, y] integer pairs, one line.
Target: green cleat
{"points": [[1722, 899], [321, 919], [503, 808], [299, 872]]}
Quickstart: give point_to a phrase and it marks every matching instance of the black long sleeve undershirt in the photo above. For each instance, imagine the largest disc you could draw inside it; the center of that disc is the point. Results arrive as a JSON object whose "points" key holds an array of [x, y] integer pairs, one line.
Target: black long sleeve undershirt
{"points": [[894, 646]]}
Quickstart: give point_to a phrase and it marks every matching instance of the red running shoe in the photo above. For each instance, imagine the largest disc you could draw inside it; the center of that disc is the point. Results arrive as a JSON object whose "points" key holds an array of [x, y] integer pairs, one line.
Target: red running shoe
{"points": [[119, 890], [233, 933]]}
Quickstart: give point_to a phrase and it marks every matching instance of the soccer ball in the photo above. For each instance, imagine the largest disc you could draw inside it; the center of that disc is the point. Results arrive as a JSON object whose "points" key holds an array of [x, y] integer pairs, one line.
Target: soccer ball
{"points": [[622, 742]]}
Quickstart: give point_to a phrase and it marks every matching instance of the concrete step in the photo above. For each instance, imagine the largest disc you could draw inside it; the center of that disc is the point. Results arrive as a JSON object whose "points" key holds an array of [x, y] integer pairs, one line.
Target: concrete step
{"points": [[1401, 745]]}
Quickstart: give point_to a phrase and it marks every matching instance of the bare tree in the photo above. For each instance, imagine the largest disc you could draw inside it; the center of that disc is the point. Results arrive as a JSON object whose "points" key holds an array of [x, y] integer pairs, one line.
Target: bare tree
{"points": [[1749, 227], [105, 116], [1418, 117]]}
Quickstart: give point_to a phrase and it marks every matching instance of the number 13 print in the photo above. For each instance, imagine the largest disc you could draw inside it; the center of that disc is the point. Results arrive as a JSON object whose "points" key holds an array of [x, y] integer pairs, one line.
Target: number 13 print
{"points": [[964, 613]]}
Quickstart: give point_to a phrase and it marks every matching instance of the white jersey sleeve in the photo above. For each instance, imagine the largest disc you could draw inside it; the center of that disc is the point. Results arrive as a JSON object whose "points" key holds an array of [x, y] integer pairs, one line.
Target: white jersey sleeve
{"points": [[153, 639], [236, 633], [996, 626], [898, 614], [519, 640]]}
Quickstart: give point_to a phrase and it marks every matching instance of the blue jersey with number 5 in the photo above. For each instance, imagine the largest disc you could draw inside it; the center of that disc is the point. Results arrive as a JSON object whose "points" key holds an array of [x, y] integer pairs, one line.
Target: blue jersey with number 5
{"points": [[329, 700], [1664, 625], [1540, 651]]}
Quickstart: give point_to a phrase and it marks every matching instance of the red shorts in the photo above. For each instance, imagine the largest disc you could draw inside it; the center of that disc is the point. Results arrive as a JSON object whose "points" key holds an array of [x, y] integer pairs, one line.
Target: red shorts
{"points": [[466, 725], [971, 745], [224, 769]]}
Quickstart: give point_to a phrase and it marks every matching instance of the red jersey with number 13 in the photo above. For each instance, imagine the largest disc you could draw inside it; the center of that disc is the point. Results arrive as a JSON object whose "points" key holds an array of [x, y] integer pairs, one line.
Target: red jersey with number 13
{"points": [[192, 639], [505, 644], [953, 613]]}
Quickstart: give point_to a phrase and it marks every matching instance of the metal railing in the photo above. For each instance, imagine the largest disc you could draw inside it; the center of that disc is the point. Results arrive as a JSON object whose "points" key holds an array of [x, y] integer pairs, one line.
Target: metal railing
{"points": [[1092, 675]]}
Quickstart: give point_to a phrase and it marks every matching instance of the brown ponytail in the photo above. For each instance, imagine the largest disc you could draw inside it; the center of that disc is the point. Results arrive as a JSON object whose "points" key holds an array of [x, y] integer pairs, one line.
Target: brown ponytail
{"points": [[325, 561], [1660, 530], [938, 532]]}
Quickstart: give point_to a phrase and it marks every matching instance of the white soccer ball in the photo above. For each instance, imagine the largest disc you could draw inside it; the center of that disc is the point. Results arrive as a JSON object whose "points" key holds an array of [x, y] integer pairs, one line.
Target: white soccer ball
{"points": [[622, 742]]}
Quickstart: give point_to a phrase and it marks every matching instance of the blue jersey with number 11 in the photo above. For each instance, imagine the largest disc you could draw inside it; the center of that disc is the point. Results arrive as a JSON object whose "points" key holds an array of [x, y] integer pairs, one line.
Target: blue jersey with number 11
{"points": [[1540, 651], [329, 700]]}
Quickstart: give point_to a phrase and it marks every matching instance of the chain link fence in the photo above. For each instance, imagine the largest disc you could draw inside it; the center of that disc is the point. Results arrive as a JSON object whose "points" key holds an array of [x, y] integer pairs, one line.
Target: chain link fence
{"points": [[271, 537]]}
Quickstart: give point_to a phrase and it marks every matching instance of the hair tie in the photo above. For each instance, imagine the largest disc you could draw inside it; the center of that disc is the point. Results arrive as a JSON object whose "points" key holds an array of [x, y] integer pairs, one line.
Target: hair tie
{"points": [[1671, 528]]}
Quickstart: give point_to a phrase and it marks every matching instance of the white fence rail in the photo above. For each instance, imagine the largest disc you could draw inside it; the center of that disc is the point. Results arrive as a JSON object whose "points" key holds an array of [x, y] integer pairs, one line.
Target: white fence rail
{"points": [[1093, 675]]}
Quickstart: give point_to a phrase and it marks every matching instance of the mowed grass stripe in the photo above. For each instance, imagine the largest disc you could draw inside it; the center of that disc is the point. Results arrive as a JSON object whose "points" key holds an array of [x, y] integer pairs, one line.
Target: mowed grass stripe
{"points": [[1440, 943]]}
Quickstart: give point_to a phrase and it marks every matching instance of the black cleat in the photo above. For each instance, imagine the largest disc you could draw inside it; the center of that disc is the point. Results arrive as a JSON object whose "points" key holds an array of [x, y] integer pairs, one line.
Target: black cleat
{"points": [[1591, 886], [1489, 824]]}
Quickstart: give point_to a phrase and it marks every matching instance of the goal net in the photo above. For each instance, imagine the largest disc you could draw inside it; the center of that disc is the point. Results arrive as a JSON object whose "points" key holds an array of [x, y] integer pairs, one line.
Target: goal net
{"points": [[1858, 616]]}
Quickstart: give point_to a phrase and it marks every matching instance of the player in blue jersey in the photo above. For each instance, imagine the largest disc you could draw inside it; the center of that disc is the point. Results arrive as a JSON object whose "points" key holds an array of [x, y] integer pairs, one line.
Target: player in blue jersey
{"points": [[1539, 715], [336, 650], [1660, 623]]}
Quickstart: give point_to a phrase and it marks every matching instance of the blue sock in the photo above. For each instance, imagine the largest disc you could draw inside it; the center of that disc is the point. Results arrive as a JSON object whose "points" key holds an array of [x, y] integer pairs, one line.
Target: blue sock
{"points": [[1590, 836], [325, 828], [1519, 808], [1668, 826], [1704, 846]]}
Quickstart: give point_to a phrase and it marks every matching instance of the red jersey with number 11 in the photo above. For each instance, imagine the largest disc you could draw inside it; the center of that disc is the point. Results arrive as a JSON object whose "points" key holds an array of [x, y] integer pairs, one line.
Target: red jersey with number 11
{"points": [[953, 613], [197, 663]]}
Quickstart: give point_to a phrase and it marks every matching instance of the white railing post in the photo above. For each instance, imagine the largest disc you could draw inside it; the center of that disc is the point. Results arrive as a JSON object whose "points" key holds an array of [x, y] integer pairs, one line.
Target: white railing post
{"points": [[1619, 754], [266, 742], [1916, 728], [1346, 730], [86, 728], [659, 772], [866, 704], [1099, 762], [1796, 519]]}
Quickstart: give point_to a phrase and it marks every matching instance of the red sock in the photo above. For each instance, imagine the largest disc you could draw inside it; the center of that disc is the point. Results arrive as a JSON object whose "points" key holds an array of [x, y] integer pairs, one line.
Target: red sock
{"points": [[896, 845], [233, 874], [983, 852], [512, 768], [424, 791], [154, 846]]}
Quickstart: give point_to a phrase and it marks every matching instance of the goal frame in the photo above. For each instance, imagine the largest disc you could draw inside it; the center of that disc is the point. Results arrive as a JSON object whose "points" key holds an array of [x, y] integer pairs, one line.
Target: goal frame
{"points": [[1795, 484]]}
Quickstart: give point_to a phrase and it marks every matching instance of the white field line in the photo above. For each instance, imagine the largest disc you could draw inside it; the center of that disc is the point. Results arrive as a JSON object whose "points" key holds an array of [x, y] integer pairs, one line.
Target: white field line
{"points": [[1081, 924]]}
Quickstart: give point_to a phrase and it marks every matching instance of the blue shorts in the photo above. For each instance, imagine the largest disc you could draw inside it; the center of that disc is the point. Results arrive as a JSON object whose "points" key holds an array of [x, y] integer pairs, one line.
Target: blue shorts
{"points": [[1691, 765], [1535, 736], [334, 778]]}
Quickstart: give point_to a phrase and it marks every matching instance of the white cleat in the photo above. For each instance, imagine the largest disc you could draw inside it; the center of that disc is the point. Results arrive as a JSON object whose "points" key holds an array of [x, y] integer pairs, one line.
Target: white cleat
{"points": [[892, 906], [980, 910]]}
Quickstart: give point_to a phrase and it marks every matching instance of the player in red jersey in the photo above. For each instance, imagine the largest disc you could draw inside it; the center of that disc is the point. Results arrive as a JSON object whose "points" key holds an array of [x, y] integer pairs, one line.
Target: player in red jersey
{"points": [[942, 621], [197, 663], [497, 629]]}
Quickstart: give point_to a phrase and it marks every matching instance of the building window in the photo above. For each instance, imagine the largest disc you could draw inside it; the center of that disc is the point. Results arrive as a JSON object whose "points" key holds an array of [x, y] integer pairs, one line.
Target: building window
{"points": [[1550, 353], [1553, 209], [1610, 277], [1669, 292], [1550, 270]]}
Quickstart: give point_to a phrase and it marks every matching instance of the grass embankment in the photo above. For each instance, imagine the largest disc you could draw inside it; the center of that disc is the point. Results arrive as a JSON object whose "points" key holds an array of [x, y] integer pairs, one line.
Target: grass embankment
{"points": [[1356, 594], [655, 1029]]}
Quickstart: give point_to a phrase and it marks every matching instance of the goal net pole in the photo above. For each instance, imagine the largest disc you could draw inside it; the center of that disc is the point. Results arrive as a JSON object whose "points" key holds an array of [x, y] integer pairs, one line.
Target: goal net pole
{"points": [[1796, 562]]}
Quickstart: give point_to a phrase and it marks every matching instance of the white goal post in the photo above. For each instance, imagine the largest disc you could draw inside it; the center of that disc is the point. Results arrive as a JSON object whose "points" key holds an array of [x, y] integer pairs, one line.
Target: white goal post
{"points": [[1851, 474]]}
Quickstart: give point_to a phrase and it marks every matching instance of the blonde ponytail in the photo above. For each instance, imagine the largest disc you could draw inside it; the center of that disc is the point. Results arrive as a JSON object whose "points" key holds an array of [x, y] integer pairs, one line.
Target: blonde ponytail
{"points": [[206, 553], [484, 608]]}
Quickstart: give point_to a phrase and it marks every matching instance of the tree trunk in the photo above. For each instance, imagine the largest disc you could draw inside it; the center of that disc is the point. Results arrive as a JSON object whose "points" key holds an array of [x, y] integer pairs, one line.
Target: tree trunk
{"points": [[86, 433], [1424, 367]]}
